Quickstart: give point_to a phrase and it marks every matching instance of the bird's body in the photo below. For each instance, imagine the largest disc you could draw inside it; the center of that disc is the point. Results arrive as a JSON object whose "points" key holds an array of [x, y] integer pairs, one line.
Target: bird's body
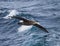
{"points": [[27, 22]]}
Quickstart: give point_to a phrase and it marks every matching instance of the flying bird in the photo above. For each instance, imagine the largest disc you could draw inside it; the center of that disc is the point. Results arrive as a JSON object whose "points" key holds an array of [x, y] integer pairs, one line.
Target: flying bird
{"points": [[27, 22]]}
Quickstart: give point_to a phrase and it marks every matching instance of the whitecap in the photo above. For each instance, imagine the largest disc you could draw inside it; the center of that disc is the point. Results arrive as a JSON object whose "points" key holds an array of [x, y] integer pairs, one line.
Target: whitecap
{"points": [[12, 13]]}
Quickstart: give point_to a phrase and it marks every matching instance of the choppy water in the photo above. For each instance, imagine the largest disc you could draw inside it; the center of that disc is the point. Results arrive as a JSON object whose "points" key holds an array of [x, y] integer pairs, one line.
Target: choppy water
{"points": [[47, 12]]}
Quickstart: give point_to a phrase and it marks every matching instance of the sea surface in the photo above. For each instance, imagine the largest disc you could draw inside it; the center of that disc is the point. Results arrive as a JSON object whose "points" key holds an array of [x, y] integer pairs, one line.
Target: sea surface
{"points": [[46, 12]]}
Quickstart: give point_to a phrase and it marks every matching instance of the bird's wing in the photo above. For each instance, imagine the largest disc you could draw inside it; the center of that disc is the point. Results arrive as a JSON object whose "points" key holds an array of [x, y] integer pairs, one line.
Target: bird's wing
{"points": [[41, 27], [20, 18]]}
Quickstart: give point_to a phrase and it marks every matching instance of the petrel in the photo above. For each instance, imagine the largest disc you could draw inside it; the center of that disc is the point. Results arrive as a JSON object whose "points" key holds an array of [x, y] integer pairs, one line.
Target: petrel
{"points": [[27, 22]]}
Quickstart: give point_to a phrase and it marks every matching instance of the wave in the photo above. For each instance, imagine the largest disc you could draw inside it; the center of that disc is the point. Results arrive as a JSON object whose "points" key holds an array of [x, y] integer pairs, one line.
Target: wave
{"points": [[10, 29], [12, 13]]}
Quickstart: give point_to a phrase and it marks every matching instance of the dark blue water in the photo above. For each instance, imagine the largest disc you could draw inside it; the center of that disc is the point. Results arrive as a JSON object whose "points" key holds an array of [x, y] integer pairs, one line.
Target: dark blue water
{"points": [[46, 12]]}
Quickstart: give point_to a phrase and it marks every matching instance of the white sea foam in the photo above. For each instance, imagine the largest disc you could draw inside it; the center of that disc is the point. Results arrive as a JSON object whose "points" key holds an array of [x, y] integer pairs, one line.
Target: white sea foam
{"points": [[12, 13], [24, 28]]}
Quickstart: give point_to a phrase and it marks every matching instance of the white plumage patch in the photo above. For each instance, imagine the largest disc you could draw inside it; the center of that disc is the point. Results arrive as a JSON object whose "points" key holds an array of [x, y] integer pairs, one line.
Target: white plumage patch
{"points": [[21, 21], [24, 28]]}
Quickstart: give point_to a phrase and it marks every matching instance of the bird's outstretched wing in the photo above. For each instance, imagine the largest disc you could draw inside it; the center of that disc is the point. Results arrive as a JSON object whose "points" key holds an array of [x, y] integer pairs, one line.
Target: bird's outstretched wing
{"points": [[41, 27], [20, 18]]}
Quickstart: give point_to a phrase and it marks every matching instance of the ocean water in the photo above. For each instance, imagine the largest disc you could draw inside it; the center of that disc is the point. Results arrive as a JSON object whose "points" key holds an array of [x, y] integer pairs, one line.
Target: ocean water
{"points": [[46, 12]]}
